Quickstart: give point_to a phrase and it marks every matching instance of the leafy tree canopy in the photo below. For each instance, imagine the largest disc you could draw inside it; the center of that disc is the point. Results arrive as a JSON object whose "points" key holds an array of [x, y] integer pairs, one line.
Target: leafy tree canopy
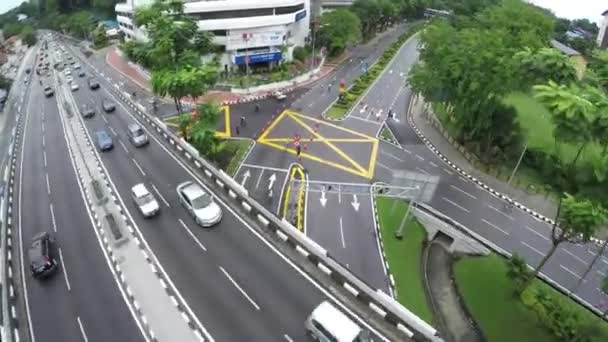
{"points": [[339, 29]]}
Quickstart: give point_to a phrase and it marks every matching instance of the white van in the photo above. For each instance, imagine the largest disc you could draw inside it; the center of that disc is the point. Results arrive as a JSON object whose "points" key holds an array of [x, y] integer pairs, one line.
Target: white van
{"points": [[328, 324]]}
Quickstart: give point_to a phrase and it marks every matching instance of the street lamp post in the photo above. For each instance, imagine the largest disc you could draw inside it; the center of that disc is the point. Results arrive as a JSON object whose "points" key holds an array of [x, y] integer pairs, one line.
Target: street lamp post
{"points": [[399, 231], [521, 157], [314, 31]]}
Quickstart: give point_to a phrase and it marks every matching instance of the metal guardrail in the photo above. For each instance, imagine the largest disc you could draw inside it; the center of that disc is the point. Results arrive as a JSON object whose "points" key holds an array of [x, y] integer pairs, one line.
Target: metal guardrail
{"points": [[403, 322]]}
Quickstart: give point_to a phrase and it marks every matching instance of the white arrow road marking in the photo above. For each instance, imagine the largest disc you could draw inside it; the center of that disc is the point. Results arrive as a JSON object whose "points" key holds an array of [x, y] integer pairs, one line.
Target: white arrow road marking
{"points": [[272, 179], [323, 199], [355, 203], [245, 176]]}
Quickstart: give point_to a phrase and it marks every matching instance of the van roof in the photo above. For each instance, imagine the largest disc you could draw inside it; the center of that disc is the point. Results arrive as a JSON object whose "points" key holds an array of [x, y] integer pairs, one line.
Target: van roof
{"points": [[337, 323]]}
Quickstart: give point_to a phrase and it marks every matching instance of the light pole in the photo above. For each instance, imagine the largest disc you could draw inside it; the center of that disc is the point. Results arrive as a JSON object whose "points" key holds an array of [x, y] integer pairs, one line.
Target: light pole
{"points": [[521, 157], [399, 231], [315, 27]]}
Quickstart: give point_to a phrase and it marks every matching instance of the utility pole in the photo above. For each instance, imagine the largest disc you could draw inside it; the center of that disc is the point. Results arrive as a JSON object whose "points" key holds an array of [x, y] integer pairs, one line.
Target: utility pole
{"points": [[314, 30], [399, 231], [521, 157]]}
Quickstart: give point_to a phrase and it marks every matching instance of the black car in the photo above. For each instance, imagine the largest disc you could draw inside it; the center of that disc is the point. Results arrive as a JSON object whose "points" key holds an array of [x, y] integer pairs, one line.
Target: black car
{"points": [[81, 73], [42, 263], [108, 106], [93, 84], [48, 91], [87, 111]]}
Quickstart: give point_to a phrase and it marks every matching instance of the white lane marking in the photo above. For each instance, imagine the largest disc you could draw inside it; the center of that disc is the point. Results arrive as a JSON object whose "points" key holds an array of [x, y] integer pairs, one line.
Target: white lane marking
{"points": [[421, 170], [463, 179], [390, 155], [264, 167], [288, 261], [382, 165], [64, 270], [198, 242], [44, 155], [419, 157], [570, 271], [287, 338], [455, 204], [112, 130], [433, 164], [53, 217], [603, 274], [124, 147], [604, 261], [532, 248], [104, 118], [495, 226], [342, 233], [138, 167], [43, 142], [574, 256], [239, 288], [500, 212], [464, 192], [407, 151], [84, 334], [448, 171], [161, 196], [366, 120], [537, 233], [257, 184], [48, 185]]}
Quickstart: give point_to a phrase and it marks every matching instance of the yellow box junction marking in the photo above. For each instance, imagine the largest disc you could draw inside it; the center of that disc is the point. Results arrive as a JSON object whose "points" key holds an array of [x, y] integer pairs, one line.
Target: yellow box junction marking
{"points": [[351, 165], [226, 133], [300, 203]]}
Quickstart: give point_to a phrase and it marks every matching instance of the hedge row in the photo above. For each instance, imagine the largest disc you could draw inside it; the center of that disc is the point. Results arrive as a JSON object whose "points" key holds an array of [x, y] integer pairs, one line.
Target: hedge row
{"points": [[361, 83]]}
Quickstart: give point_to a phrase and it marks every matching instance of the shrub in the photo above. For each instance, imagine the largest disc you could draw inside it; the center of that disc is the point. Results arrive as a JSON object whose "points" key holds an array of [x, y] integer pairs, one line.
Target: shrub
{"points": [[300, 53]]}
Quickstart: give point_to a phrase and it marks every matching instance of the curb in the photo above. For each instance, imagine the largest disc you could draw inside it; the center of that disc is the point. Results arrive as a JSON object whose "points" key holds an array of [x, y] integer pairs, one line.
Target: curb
{"points": [[387, 271], [475, 180]]}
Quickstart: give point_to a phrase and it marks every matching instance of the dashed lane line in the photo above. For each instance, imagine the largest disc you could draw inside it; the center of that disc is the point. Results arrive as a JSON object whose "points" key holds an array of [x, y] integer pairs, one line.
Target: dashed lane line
{"points": [[342, 233], [391, 156], [161, 196], [255, 305], [537, 233], [532, 248], [198, 242], [264, 167], [421, 170], [64, 271], [138, 167], [455, 204], [495, 226], [464, 192], [575, 256], [500, 212], [82, 332], [570, 271], [53, 222]]}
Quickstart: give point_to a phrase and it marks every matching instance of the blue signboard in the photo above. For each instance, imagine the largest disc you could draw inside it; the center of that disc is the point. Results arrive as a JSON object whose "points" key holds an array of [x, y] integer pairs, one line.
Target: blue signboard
{"points": [[300, 15], [259, 58]]}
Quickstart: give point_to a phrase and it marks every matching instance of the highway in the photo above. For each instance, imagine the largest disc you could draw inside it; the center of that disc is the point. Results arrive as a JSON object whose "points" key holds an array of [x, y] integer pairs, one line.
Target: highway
{"points": [[81, 301], [226, 274]]}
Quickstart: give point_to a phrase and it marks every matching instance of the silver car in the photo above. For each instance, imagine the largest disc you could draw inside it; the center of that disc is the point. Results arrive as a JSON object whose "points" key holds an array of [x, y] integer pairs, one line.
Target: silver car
{"points": [[145, 201], [137, 135], [199, 204]]}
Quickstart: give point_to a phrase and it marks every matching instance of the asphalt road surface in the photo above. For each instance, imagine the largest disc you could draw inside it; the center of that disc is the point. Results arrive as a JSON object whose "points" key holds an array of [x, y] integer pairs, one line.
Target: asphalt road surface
{"points": [[227, 274], [81, 301]]}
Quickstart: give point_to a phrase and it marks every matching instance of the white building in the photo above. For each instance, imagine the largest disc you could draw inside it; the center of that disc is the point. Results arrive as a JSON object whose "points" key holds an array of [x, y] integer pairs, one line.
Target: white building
{"points": [[262, 31], [602, 36]]}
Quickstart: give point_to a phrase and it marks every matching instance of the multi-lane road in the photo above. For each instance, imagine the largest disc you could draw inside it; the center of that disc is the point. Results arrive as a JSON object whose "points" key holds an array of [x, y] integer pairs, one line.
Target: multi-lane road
{"points": [[236, 283]]}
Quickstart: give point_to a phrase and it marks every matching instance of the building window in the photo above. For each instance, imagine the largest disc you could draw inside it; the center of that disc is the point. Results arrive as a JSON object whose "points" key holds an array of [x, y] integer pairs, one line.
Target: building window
{"points": [[219, 33], [252, 12], [289, 9]]}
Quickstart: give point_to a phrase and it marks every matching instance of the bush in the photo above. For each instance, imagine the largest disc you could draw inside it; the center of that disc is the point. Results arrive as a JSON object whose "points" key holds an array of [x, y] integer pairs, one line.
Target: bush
{"points": [[300, 53]]}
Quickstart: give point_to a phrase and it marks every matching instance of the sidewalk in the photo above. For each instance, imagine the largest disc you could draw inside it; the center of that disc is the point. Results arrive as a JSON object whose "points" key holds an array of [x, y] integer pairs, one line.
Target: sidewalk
{"points": [[536, 202], [135, 74]]}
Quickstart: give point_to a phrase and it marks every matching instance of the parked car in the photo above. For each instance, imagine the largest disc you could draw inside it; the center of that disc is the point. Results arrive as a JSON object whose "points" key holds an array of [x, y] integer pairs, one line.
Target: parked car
{"points": [[279, 95], [145, 201], [87, 111], [137, 135], [81, 73], [42, 262], [93, 84], [108, 106], [74, 86], [104, 140], [199, 204]]}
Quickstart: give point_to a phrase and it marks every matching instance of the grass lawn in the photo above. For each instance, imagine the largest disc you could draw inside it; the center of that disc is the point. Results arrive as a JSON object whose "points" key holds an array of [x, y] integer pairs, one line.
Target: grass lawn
{"points": [[404, 257], [336, 112], [535, 120], [488, 294], [241, 147], [386, 134]]}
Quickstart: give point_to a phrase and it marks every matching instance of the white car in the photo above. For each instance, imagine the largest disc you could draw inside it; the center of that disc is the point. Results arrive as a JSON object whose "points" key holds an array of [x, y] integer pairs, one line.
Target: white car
{"points": [[68, 72], [69, 79], [74, 86], [279, 95], [77, 66], [199, 204], [145, 201]]}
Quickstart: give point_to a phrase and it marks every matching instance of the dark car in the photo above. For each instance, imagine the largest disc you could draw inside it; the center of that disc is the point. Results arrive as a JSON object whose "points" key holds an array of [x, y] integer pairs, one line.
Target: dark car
{"points": [[108, 106], [28, 70], [81, 73], [42, 263], [104, 140], [48, 91], [87, 111], [93, 84]]}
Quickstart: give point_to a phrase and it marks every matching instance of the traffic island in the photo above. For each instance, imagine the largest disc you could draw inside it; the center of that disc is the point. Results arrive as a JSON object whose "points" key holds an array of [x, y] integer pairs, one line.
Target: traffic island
{"points": [[293, 199]]}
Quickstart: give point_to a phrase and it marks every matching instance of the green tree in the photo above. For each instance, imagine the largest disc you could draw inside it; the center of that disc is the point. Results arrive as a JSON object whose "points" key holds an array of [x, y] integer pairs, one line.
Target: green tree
{"points": [[576, 221], [517, 270], [599, 66], [369, 13], [100, 39], [80, 24], [28, 35], [12, 29], [339, 29], [546, 64], [573, 116], [173, 51]]}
